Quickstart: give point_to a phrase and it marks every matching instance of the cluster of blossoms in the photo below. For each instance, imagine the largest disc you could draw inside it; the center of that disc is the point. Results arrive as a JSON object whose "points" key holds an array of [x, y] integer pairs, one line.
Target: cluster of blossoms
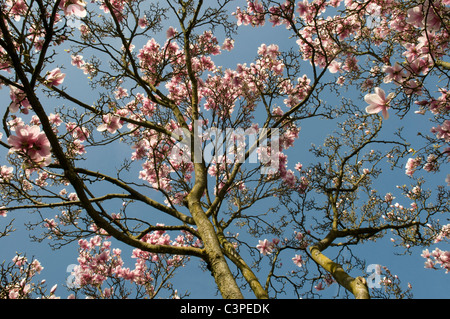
{"points": [[220, 91], [438, 256], [419, 29], [30, 141], [327, 279], [6, 173], [18, 100], [267, 247], [442, 131], [391, 283], [98, 262], [17, 280], [32, 144], [73, 7]]}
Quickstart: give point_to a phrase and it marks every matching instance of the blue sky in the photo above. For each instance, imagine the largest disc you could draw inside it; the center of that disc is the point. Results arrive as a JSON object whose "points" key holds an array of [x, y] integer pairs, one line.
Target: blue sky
{"points": [[410, 268]]}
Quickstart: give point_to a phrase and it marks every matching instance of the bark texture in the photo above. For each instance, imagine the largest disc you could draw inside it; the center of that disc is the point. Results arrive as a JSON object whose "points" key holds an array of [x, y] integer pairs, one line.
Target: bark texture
{"points": [[357, 286]]}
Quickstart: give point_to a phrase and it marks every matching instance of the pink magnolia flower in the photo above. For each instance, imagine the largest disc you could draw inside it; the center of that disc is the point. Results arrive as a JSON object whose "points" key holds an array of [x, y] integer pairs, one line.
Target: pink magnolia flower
{"points": [[32, 142], [298, 260], [13, 294], [433, 21], [55, 77], [143, 22], [20, 260], [388, 198], [394, 73], [121, 93], [265, 247], [53, 289], [335, 67], [420, 17], [319, 286], [111, 124], [415, 16], [442, 131], [3, 211], [171, 32], [303, 7], [378, 102], [18, 98], [228, 44], [77, 60], [55, 119], [411, 165], [73, 7], [18, 8], [6, 173], [37, 267]]}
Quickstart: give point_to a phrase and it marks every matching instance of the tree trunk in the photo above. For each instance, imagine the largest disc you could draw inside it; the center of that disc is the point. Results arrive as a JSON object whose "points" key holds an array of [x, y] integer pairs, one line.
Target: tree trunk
{"points": [[219, 268], [357, 286], [246, 271]]}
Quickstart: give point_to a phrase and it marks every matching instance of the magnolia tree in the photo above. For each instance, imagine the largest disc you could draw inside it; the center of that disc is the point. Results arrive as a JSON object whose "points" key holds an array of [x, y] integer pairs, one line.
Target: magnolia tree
{"points": [[182, 159]]}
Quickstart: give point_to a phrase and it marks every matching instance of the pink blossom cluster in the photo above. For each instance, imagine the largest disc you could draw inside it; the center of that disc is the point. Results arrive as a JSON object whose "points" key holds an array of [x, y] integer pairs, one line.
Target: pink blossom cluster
{"points": [[295, 92], [16, 8], [117, 6], [31, 142], [254, 15], [438, 256], [431, 164], [392, 281], [154, 170], [73, 7], [222, 91], [6, 173], [18, 283], [219, 91], [399, 212], [4, 62], [150, 57], [79, 135], [444, 233], [266, 247], [55, 77], [327, 279], [412, 164], [441, 105], [419, 30], [442, 131], [98, 262], [18, 100], [111, 123], [3, 211], [424, 16], [78, 61]]}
